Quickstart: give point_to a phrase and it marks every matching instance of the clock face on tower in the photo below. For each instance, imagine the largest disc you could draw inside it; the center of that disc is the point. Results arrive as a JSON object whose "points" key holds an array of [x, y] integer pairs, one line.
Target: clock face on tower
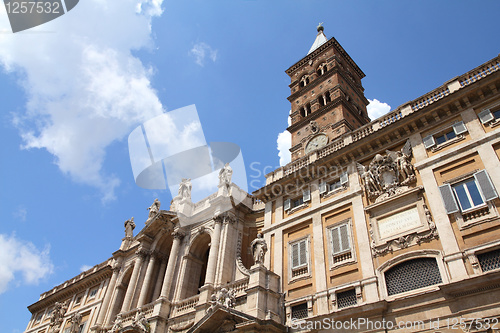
{"points": [[317, 142]]}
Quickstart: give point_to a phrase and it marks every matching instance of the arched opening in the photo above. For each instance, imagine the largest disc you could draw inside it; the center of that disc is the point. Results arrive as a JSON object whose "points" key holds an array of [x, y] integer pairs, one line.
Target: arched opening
{"points": [[327, 97], [304, 81], [321, 100], [120, 291], [322, 69], [196, 266], [162, 250]]}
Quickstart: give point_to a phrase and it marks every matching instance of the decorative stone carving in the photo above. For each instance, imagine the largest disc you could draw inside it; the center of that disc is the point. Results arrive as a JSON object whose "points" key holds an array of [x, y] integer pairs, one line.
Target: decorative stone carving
{"points": [[403, 242], [314, 126], [184, 190], [76, 320], [154, 209], [140, 322], [178, 234], [225, 175], [388, 175], [56, 317], [224, 218], [117, 324], [129, 228], [259, 249], [239, 262], [224, 297], [181, 326]]}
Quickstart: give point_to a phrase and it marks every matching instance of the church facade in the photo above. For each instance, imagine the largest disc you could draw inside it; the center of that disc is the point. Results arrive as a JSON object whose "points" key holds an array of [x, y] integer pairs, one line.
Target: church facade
{"points": [[389, 225]]}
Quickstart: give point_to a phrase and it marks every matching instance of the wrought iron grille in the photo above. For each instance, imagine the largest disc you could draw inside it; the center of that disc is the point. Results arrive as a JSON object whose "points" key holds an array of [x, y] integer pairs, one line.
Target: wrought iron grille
{"points": [[346, 298], [489, 260], [412, 274], [299, 311]]}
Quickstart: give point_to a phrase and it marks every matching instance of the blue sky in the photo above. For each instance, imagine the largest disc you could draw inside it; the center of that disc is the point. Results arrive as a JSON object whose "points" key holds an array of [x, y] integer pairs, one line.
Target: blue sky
{"points": [[73, 89]]}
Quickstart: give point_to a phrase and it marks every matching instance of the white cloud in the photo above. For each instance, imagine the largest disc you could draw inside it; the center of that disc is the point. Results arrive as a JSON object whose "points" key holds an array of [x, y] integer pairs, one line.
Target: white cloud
{"points": [[377, 109], [202, 50], [22, 261], [284, 144], [84, 87], [20, 213], [84, 268]]}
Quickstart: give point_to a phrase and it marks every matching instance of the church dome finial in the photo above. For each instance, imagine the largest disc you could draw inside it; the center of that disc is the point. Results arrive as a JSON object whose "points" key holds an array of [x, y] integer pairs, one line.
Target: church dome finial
{"points": [[320, 27]]}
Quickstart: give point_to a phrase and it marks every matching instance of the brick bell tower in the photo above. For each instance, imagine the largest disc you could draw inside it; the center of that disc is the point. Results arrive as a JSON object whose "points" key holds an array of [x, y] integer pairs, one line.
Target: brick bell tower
{"points": [[326, 95]]}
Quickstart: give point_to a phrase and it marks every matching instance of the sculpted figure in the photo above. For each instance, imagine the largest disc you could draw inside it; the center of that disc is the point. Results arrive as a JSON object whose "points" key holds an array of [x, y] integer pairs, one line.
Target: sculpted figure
{"points": [[259, 249], [140, 322], [405, 167], [225, 175], [372, 186], [75, 319], [56, 317], [117, 324], [129, 227], [184, 189], [154, 208]]}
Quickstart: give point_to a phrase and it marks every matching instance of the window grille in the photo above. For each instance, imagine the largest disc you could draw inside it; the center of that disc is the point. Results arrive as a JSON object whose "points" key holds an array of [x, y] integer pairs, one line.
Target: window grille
{"points": [[346, 298], [299, 311], [412, 274], [489, 260]]}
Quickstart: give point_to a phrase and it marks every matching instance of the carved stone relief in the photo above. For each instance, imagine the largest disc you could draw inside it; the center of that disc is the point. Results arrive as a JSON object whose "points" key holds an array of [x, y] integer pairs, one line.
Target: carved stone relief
{"points": [[388, 175]]}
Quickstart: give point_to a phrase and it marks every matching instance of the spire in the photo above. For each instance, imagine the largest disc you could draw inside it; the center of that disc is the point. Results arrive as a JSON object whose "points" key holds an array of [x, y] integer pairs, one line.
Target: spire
{"points": [[320, 38]]}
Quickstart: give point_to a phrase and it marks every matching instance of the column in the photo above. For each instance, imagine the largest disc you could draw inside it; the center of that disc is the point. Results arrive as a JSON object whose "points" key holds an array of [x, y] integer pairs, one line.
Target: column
{"points": [[161, 276], [147, 281], [214, 250], [172, 259], [109, 292], [133, 280]]}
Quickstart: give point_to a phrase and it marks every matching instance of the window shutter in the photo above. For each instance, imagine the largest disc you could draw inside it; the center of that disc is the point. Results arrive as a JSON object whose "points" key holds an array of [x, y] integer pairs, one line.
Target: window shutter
{"points": [[322, 187], [287, 204], [302, 253], [450, 204], [344, 237], [336, 240], [344, 178], [306, 195], [459, 128], [485, 116], [429, 142], [485, 184], [295, 255]]}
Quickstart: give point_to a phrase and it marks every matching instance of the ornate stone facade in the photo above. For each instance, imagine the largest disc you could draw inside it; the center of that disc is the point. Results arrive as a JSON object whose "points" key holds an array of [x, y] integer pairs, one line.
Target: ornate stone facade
{"points": [[382, 220]]}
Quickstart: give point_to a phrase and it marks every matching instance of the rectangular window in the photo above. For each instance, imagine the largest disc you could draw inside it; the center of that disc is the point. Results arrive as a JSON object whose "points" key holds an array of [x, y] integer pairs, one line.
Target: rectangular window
{"points": [[468, 194], [340, 243], [300, 311], [38, 318], [487, 116], [299, 258], [444, 136], [489, 260], [346, 298], [93, 292], [78, 300]]}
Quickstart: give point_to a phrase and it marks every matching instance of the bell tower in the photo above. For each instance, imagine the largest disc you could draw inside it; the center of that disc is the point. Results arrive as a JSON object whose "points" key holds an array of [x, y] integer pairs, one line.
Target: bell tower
{"points": [[326, 95]]}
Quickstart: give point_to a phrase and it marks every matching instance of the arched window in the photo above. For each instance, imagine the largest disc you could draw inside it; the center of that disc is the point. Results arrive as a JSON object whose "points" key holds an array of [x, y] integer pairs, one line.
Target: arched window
{"points": [[321, 100], [196, 266], [327, 97], [305, 110], [322, 69], [412, 274], [304, 81]]}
